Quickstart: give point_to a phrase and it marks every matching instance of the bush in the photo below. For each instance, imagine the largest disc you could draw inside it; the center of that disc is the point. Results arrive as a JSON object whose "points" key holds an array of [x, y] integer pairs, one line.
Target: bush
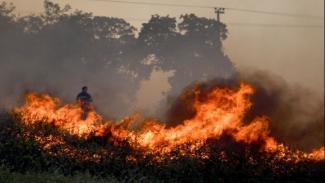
{"points": [[23, 160]]}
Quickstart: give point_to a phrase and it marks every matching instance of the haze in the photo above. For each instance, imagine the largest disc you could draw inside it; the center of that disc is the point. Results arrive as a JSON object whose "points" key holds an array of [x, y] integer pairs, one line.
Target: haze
{"points": [[294, 53]]}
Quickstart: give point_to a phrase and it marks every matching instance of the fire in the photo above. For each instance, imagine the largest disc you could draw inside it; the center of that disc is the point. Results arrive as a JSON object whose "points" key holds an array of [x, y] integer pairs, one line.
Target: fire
{"points": [[218, 111], [317, 154], [222, 109], [44, 108]]}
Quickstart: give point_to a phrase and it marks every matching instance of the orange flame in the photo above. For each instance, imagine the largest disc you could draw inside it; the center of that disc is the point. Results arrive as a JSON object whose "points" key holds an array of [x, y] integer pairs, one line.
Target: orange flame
{"points": [[317, 154], [44, 108], [221, 110]]}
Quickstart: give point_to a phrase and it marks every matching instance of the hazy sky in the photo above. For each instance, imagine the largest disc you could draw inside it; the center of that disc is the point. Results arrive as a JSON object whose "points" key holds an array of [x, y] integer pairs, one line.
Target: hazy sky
{"points": [[295, 53]]}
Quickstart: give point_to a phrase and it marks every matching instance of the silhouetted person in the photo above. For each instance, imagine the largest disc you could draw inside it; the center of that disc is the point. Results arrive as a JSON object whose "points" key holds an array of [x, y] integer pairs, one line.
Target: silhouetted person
{"points": [[84, 99], [84, 95]]}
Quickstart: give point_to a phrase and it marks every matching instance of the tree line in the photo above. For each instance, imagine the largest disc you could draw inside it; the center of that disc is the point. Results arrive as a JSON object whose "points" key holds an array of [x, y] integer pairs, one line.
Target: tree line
{"points": [[61, 48]]}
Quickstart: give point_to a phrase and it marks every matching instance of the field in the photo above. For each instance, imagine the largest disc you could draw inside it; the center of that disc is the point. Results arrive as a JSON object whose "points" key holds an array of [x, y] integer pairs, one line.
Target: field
{"points": [[23, 160], [45, 139]]}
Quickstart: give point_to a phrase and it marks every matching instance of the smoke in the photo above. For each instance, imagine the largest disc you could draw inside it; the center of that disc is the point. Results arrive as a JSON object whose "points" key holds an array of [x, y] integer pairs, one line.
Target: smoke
{"points": [[64, 78], [59, 52], [296, 114]]}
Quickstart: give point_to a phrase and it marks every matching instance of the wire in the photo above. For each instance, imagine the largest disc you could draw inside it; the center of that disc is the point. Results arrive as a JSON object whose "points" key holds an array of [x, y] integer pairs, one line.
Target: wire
{"points": [[158, 4], [240, 24], [244, 24], [210, 7], [276, 13], [275, 25]]}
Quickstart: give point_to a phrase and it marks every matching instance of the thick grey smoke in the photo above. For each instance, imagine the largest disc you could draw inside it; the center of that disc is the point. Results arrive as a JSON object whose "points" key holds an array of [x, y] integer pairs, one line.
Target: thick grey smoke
{"points": [[58, 52], [296, 114], [62, 50]]}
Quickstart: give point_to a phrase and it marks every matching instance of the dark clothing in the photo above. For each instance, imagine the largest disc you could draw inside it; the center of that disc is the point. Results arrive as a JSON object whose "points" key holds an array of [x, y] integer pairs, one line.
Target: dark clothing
{"points": [[84, 96]]}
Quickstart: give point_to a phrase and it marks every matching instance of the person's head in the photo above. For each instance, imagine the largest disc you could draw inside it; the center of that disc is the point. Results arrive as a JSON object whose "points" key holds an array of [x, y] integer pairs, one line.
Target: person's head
{"points": [[84, 89]]}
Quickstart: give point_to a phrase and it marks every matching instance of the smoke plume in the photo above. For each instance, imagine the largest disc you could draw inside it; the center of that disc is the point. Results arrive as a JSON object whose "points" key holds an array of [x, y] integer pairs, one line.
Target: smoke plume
{"points": [[295, 113]]}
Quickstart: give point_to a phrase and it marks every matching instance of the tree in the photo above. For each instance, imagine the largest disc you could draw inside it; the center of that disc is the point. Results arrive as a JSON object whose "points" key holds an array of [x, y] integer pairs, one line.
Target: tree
{"points": [[158, 34], [204, 31], [62, 48]]}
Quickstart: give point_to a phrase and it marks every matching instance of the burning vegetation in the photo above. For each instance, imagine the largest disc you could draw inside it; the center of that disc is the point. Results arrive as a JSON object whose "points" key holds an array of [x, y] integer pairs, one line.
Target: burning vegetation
{"points": [[214, 132], [218, 111]]}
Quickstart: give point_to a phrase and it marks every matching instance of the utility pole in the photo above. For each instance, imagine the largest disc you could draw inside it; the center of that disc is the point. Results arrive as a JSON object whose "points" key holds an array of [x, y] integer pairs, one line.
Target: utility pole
{"points": [[219, 11]]}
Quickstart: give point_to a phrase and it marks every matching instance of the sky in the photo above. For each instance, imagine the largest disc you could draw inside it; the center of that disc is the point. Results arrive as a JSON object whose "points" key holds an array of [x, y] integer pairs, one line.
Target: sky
{"points": [[294, 53]]}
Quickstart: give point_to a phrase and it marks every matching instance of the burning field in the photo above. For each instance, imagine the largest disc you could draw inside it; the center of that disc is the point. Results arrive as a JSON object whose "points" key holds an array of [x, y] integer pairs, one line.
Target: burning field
{"points": [[214, 143], [169, 103]]}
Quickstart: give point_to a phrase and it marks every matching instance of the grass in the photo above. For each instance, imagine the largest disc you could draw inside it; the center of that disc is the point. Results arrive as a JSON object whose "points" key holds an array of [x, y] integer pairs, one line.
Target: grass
{"points": [[23, 160], [31, 177]]}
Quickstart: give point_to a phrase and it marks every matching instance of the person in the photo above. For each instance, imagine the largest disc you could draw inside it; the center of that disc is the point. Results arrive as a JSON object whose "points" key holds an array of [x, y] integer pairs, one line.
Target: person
{"points": [[84, 95], [84, 99]]}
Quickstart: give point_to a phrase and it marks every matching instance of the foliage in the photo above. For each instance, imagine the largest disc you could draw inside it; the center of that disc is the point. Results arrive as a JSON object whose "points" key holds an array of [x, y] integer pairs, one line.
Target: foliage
{"points": [[22, 158], [107, 52], [13, 177]]}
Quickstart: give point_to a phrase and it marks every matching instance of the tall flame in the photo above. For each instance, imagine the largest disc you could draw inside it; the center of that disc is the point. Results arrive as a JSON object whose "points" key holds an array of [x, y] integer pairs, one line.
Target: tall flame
{"points": [[218, 111]]}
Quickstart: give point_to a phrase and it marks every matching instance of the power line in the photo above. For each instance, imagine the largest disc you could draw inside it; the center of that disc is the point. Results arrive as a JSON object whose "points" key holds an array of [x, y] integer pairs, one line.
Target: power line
{"points": [[158, 4], [210, 7], [242, 24], [277, 13], [274, 25]]}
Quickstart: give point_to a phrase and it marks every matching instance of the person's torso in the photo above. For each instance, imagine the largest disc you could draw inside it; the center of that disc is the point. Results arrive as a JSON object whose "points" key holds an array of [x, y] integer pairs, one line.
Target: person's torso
{"points": [[84, 96]]}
